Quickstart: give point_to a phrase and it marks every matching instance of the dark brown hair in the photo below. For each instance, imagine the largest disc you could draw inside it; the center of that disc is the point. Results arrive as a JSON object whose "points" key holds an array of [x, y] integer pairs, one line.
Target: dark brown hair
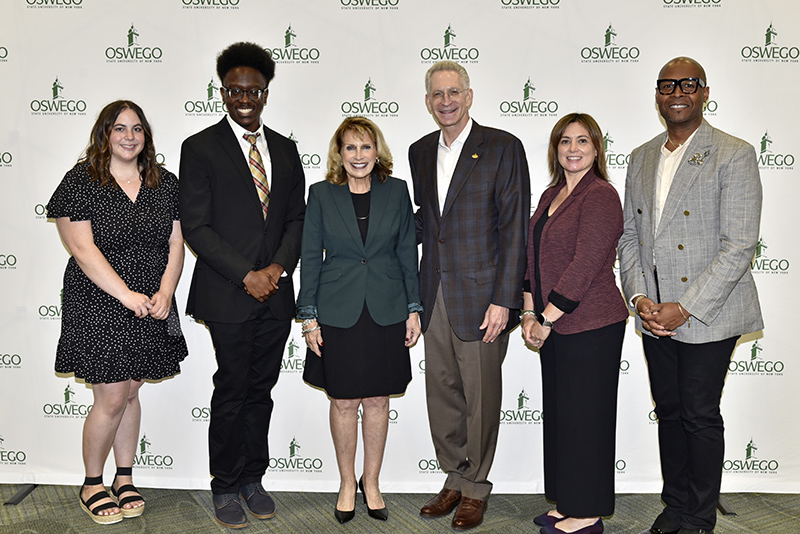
{"points": [[595, 134], [98, 153]]}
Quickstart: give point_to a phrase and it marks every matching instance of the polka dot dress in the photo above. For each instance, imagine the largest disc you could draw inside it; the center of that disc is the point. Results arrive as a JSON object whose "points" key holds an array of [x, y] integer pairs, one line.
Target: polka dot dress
{"points": [[101, 340]]}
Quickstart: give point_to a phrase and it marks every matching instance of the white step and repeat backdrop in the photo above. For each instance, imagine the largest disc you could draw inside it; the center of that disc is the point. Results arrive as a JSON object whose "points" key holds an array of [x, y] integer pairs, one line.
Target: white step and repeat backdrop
{"points": [[531, 61]]}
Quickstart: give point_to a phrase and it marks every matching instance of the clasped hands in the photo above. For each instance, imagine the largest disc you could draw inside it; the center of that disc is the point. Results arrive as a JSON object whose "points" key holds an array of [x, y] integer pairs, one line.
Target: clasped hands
{"points": [[660, 319], [141, 305], [262, 284]]}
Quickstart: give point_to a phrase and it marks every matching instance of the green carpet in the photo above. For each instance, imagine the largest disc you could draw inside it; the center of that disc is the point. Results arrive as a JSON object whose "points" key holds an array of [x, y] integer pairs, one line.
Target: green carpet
{"points": [[55, 510]]}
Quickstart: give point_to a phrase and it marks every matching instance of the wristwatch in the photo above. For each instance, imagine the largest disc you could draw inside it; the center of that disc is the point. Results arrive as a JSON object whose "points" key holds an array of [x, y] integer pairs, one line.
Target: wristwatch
{"points": [[543, 321]]}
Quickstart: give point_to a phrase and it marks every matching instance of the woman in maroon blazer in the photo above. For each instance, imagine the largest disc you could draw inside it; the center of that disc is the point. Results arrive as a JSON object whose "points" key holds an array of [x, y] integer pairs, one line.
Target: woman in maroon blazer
{"points": [[574, 313]]}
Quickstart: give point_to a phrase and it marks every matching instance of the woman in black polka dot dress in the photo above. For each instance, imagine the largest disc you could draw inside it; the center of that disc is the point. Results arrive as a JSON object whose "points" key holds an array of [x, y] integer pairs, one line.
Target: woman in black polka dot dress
{"points": [[117, 213]]}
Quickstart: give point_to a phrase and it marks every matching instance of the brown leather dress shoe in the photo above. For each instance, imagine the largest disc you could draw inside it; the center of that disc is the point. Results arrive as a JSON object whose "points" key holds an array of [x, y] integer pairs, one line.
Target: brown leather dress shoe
{"points": [[442, 504], [469, 514]]}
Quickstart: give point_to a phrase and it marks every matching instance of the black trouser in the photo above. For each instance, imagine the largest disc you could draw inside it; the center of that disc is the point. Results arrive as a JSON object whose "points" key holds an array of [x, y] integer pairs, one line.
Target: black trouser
{"points": [[249, 358], [686, 381]]}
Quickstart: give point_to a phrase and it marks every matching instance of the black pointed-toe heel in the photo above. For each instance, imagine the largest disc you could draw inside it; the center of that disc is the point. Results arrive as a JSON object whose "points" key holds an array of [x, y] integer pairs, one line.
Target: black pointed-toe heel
{"points": [[380, 513], [344, 517]]}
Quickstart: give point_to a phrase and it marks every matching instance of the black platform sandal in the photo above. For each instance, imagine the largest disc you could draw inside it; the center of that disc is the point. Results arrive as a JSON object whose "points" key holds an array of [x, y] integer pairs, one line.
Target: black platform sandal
{"points": [[94, 513], [127, 512]]}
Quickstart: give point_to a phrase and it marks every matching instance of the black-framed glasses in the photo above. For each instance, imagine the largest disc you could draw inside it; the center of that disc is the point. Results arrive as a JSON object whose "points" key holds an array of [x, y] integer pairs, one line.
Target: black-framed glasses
{"points": [[237, 94], [687, 85]]}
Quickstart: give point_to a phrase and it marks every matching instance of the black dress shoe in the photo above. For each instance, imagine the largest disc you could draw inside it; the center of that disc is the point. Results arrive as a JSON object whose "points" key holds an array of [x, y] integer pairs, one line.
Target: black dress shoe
{"points": [[654, 530], [375, 513]]}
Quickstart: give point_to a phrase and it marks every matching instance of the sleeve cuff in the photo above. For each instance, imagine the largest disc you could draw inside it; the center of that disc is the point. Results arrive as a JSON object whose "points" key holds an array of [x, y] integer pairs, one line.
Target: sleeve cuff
{"points": [[306, 312], [415, 307], [561, 302]]}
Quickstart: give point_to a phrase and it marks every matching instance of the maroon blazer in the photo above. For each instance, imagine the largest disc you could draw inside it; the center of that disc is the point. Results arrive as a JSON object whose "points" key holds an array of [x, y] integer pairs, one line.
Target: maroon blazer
{"points": [[577, 251]]}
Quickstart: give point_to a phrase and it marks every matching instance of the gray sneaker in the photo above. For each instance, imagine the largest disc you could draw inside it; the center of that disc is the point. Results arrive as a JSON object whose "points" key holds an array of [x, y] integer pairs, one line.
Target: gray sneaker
{"points": [[228, 511], [258, 500]]}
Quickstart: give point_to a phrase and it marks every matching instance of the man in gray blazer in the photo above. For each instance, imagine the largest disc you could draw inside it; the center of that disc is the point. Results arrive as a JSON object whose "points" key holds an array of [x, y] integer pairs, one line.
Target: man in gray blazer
{"points": [[472, 187], [692, 213]]}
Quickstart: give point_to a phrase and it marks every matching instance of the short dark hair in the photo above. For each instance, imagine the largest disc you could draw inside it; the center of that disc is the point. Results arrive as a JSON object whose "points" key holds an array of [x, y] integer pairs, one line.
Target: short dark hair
{"points": [[245, 54]]}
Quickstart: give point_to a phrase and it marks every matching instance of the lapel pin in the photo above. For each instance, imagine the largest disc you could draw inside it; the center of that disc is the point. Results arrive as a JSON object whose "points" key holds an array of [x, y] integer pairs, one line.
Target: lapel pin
{"points": [[699, 159], [474, 156]]}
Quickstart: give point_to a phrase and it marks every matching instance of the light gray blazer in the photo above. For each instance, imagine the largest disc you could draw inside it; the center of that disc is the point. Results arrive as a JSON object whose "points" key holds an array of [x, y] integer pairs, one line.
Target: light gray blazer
{"points": [[705, 240]]}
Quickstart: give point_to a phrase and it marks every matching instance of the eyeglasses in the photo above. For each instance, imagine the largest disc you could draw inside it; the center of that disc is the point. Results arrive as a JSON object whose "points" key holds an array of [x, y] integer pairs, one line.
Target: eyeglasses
{"points": [[237, 94], [452, 93], [688, 85]]}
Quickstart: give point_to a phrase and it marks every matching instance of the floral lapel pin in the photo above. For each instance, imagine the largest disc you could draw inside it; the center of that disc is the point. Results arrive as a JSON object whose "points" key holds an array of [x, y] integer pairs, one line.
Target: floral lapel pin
{"points": [[699, 159]]}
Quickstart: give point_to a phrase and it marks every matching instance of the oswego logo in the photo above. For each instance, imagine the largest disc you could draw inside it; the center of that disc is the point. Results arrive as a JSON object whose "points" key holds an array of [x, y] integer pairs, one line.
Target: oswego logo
{"points": [[370, 106], [10, 361], [8, 262], [449, 51], [754, 364], [763, 264], [291, 53], [692, 3], [201, 414], [369, 4], [620, 465], [296, 463], [309, 161], [9, 456], [133, 53], [771, 51], [751, 463], [58, 104], [146, 459], [295, 361], [610, 52], [528, 106], [767, 159], [3, 54], [614, 160], [69, 409], [530, 4], [393, 416], [429, 466], [40, 212], [51, 312], [63, 4], [521, 415], [6, 158], [212, 105], [210, 4]]}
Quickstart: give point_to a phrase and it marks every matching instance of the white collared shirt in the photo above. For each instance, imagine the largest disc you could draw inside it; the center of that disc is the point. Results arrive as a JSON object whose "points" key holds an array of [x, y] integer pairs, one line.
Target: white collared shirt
{"points": [[446, 159], [261, 144], [667, 166]]}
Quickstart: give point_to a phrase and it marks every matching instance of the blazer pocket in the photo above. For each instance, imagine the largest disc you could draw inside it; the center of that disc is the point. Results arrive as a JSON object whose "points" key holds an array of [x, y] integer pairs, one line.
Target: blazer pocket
{"points": [[328, 276], [395, 272], [486, 276]]}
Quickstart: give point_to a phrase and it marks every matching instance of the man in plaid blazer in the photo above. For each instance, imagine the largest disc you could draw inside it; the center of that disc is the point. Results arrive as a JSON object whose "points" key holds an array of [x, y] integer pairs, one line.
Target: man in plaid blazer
{"points": [[472, 187], [692, 213]]}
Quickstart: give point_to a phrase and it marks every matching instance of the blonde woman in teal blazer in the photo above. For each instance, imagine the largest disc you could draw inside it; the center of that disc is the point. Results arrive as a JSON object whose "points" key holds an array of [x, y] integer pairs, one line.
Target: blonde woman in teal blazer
{"points": [[359, 292]]}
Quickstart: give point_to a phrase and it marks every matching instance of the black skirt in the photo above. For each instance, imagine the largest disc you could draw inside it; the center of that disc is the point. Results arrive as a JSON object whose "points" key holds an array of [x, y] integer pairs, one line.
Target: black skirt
{"points": [[365, 360]]}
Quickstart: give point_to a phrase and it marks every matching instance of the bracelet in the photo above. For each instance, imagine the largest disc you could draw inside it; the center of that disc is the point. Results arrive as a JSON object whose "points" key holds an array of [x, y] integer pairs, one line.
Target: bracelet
{"points": [[527, 312], [687, 319], [308, 322], [304, 331], [636, 301]]}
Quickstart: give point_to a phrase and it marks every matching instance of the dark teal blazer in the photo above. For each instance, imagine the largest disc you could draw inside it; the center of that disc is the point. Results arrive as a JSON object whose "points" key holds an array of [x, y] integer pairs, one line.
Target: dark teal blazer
{"points": [[339, 272]]}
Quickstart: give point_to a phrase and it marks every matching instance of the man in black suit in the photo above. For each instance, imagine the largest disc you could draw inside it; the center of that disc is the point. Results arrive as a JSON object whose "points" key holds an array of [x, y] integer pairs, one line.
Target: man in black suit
{"points": [[242, 208], [472, 185]]}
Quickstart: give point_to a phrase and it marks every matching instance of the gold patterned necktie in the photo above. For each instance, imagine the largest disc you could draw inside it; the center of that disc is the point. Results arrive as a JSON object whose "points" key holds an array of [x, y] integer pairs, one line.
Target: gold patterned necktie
{"points": [[257, 170]]}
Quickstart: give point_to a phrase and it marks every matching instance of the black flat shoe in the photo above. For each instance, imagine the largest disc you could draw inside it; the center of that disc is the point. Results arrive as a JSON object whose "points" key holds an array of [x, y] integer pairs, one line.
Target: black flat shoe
{"points": [[344, 517], [94, 513], [381, 513], [127, 513]]}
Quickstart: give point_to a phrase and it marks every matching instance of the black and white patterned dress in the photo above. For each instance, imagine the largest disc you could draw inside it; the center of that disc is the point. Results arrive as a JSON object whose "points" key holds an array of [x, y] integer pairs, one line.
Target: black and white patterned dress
{"points": [[101, 340]]}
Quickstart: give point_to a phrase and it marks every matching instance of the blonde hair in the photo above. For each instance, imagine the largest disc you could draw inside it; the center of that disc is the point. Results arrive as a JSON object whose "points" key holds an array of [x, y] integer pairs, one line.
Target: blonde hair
{"points": [[361, 127]]}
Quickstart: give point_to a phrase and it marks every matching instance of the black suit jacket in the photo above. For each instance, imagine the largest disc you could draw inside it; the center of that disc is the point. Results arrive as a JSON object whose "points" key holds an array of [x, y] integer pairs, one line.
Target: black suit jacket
{"points": [[222, 222], [476, 247]]}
